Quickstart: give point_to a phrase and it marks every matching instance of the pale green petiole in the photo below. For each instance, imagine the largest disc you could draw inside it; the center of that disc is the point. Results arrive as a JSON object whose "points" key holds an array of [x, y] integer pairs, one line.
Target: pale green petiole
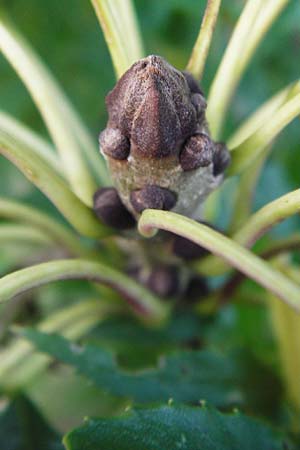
{"points": [[13, 127], [201, 48], [246, 152], [263, 114], [121, 33], [68, 133], [227, 249], [267, 217], [248, 178], [12, 210], [14, 233], [124, 12], [256, 226], [40, 173], [244, 191], [253, 24], [145, 304]]}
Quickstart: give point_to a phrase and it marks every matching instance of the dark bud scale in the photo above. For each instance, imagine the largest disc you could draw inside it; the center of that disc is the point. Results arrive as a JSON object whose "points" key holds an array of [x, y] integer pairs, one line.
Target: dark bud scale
{"points": [[115, 143], [109, 209], [197, 152], [221, 159], [187, 250], [157, 142], [153, 197], [164, 281]]}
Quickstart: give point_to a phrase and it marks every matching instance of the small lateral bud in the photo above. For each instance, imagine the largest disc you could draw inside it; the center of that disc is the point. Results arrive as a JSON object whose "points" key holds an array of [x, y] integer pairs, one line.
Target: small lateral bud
{"points": [[114, 144], [153, 197], [188, 250], [109, 208], [200, 104], [192, 82], [164, 281], [197, 152], [221, 159]]}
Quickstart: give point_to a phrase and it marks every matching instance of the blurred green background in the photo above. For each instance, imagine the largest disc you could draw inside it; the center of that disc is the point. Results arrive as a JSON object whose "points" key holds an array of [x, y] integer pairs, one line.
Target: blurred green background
{"points": [[67, 36]]}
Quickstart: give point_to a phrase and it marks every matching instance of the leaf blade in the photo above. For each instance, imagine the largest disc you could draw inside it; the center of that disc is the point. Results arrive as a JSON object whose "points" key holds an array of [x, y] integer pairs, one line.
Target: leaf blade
{"points": [[171, 427], [182, 376]]}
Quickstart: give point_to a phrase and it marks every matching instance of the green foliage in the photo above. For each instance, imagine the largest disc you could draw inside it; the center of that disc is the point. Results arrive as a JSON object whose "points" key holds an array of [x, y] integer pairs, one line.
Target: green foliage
{"points": [[183, 376], [109, 360], [23, 428], [172, 427]]}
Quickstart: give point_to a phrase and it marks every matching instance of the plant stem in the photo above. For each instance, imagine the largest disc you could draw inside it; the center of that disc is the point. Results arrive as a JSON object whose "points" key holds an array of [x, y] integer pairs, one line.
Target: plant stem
{"points": [[246, 152], [257, 225], [253, 24], [245, 191], [12, 233], [231, 252], [53, 186], [230, 71], [281, 246], [115, 39], [248, 178], [145, 305], [55, 109], [11, 126], [286, 326], [267, 217], [125, 13], [201, 48], [12, 210], [263, 114]]}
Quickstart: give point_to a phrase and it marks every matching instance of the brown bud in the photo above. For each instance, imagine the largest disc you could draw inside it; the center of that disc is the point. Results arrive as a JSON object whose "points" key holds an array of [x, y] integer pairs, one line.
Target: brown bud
{"points": [[153, 197], [221, 158], [164, 281], [197, 152], [200, 104], [109, 208], [114, 144], [192, 82], [188, 250]]}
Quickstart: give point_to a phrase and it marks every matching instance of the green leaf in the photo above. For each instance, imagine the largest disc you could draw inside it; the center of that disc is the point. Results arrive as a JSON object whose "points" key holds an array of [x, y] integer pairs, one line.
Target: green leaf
{"points": [[174, 427], [183, 376], [23, 428], [137, 346], [19, 362]]}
